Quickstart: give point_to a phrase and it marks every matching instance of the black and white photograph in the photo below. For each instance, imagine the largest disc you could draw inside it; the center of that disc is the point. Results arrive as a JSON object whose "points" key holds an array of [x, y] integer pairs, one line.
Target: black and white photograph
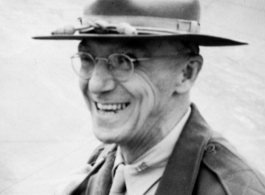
{"points": [[132, 97]]}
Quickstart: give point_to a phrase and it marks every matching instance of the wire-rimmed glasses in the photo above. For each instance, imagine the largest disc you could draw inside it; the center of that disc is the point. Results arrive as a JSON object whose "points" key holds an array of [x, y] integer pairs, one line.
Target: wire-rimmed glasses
{"points": [[120, 65]]}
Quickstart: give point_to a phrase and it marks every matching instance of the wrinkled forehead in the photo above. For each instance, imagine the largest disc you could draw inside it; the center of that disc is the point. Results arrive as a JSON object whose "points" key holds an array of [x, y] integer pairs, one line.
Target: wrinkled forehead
{"points": [[146, 48]]}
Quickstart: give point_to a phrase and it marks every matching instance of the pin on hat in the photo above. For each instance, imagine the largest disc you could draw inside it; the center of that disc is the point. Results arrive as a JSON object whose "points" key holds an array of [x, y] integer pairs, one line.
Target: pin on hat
{"points": [[177, 20]]}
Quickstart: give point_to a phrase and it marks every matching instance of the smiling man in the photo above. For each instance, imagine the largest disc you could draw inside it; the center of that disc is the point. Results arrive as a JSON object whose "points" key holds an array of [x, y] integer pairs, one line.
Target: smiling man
{"points": [[137, 63], [132, 106]]}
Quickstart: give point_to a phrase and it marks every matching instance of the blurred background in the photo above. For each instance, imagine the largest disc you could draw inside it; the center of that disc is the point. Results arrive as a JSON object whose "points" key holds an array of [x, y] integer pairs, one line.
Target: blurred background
{"points": [[45, 128]]}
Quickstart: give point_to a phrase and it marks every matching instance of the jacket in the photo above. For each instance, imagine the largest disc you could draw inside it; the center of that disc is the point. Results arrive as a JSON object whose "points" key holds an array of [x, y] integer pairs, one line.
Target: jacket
{"points": [[201, 164]]}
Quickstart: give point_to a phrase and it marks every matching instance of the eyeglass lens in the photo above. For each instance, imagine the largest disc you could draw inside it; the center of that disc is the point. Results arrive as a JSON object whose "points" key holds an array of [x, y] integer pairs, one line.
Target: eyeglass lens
{"points": [[120, 65]]}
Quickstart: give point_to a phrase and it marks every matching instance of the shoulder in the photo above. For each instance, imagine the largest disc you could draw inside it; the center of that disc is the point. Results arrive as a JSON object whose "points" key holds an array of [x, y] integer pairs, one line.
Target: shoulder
{"points": [[226, 173]]}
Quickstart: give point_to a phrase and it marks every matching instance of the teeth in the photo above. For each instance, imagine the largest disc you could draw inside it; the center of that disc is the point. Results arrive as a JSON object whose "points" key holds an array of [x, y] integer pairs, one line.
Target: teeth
{"points": [[111, 107]]}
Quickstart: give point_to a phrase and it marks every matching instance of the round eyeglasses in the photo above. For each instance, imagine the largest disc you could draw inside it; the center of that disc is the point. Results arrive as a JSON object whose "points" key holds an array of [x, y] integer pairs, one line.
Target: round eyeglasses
{"points": [[120, 65]]}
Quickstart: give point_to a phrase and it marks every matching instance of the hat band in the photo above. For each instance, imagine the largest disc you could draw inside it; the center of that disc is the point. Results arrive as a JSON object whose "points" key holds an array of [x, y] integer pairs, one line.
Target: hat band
{"points": [[176, 25]]}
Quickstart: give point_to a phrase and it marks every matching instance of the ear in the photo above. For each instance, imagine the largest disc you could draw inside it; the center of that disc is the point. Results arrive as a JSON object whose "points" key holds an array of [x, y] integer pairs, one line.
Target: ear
{"points": [[189, 73]]}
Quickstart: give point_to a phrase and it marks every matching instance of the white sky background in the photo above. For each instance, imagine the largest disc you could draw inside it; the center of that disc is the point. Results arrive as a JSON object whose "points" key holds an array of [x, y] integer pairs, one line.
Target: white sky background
{"points": [[44, 124]]}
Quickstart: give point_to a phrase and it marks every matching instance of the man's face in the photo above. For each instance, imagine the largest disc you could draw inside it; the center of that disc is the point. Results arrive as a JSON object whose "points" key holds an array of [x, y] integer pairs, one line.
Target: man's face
{"points": [[135, 110]]}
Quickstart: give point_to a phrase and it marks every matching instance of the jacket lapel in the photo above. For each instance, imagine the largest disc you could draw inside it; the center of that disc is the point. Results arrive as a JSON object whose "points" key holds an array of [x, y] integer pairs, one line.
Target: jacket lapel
{"points": [[183, 166], [98, 181]]}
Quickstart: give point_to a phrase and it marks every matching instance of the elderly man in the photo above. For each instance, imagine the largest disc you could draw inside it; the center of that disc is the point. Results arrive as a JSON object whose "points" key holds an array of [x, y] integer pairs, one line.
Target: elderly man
{"points": [[137, 63]]}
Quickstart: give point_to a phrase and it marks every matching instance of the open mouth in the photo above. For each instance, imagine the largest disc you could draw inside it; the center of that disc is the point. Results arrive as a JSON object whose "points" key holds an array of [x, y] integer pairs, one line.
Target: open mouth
{"points": [[111, 107]]}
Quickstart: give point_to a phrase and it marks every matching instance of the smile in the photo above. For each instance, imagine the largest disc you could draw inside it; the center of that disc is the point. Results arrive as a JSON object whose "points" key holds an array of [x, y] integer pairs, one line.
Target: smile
{"points": [[111, 107]]}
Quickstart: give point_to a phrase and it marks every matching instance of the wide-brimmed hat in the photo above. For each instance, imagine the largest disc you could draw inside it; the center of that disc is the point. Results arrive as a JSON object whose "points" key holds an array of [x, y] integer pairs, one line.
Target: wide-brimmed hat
{"points": [[139, 20]]}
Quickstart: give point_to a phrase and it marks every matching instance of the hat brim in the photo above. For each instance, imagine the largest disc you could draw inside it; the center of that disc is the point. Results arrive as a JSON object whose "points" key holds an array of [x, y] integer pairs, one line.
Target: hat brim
{"points": [[199, 39]]}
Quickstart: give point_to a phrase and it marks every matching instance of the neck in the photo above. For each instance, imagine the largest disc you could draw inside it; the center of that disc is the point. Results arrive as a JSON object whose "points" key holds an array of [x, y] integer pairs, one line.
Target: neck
{"points": [[133, 150]]}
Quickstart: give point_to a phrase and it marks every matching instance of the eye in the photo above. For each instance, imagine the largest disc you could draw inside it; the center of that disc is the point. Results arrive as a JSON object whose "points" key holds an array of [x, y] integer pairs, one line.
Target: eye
{"points": [[119, 61], [85, 57], [83, 64], [86, 60]]}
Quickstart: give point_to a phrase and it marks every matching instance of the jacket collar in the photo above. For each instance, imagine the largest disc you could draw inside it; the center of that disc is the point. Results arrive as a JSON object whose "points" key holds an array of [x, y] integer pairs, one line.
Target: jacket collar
{"points": [[183, 166]]}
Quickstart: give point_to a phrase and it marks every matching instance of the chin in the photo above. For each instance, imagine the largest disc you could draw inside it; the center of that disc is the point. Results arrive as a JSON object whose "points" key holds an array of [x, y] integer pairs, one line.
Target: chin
{"points": [[105, 134], [112, 134]]}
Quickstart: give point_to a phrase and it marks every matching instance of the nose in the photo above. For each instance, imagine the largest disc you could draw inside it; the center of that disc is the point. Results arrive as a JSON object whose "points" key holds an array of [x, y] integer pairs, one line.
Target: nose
{"points": [[101, 79]]}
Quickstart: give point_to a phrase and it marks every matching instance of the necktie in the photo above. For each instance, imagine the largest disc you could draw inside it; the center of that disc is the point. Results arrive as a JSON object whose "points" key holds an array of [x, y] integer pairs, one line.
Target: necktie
{"points": [[118, 186]]}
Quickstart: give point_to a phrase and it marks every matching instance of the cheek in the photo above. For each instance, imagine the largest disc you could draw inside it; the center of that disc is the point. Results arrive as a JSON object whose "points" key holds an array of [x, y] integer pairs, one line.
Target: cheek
{"points": [[164, 81], [147, 105], [145, 93], [162, 85], [83, 85], [142, 86]]}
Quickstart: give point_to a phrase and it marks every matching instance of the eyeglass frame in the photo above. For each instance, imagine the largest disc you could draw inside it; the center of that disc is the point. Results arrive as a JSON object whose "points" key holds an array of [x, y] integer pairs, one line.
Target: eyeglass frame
{"points": [[132, 60]]}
